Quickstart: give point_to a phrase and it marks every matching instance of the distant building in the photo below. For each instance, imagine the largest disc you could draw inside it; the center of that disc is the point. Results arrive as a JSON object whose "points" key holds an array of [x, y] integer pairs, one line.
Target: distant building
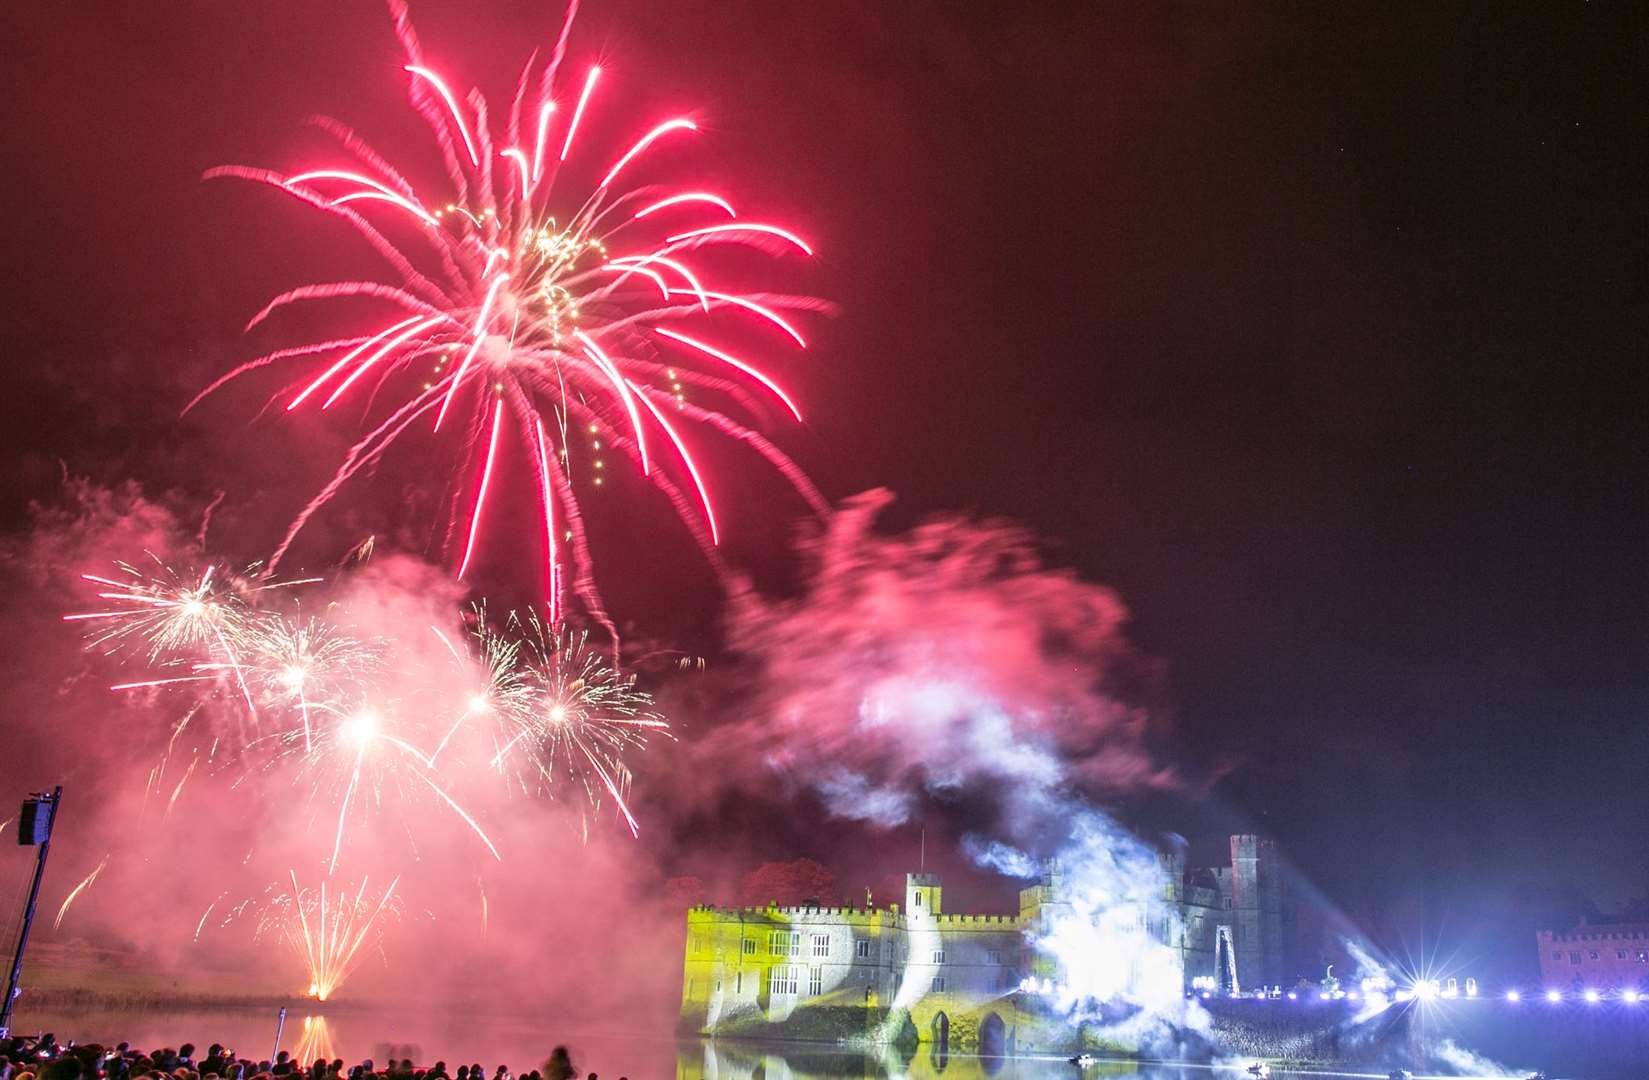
{"points": [[1595, 956], [972, 981]]}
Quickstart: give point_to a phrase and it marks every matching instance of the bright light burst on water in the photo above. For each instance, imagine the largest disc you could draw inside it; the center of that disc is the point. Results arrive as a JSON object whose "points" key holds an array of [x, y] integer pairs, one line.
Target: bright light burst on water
{"points": [[514, 308]]}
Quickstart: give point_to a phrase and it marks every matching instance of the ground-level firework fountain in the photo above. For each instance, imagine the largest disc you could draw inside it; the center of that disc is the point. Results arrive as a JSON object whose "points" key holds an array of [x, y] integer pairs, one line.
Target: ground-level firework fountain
{"points": [[329, 937]]}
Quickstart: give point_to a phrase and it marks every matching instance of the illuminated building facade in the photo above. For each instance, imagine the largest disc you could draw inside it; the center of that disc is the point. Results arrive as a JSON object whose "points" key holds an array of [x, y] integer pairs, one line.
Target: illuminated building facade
{"points": [[884, 974], [1596, 956]]}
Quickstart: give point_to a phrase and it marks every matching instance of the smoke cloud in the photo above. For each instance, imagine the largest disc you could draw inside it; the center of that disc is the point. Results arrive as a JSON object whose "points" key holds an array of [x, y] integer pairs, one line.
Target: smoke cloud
{"points": [[945, 672], [949, 664]]}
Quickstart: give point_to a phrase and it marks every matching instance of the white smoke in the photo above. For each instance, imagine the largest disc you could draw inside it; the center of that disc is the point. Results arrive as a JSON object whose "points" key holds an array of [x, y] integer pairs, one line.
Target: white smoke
{"points": [[1469, 1063], [1106, 931]]}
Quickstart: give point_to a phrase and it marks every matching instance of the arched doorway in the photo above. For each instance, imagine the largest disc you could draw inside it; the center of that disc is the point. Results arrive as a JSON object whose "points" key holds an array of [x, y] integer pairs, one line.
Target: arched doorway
{"points": [[939, 1032], [992, 1037]]}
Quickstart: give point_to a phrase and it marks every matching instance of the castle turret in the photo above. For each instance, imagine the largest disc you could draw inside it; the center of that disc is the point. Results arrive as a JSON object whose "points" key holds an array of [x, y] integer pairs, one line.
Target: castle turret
{"points": [[921, 895]]}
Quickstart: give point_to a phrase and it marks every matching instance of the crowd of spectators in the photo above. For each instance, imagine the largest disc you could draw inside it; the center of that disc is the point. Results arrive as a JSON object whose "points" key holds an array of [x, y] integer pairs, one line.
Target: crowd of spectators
{"points": [[42, 1057]]}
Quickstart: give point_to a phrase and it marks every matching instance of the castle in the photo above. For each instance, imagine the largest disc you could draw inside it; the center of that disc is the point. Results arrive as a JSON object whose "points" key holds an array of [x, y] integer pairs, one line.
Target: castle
{"points": [[974, 982]]}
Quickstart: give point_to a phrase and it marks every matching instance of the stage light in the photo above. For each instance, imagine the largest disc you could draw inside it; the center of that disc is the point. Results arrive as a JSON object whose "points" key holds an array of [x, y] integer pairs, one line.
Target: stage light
{"points": [[1553, 996], [1629, 996], [1513, 996], [1592, 996]]}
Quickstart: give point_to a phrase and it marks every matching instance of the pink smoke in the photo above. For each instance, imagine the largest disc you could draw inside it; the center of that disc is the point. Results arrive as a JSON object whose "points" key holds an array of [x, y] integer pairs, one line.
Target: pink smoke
{"points": [[946, 659]]}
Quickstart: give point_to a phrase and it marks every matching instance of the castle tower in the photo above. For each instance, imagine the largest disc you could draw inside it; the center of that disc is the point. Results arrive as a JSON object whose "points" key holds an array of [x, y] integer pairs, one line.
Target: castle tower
{"points": [[1256, 909], [921, 895]]}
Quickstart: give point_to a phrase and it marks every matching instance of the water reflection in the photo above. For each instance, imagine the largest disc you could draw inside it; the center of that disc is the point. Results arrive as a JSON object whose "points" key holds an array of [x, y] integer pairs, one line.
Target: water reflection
{"points": [[745, 1061], [523, 1042], [314, 1040]]}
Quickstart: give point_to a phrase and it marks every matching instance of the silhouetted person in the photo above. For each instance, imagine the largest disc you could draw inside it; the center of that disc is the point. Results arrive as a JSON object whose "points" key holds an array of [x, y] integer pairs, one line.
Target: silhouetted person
{"points": [[66, 1067], [560, 1065], [215, 1060]]}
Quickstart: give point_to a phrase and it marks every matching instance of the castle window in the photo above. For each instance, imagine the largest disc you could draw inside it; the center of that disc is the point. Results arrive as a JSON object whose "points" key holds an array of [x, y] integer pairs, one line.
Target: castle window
{"points": [[1591, 954], [1643, 957], [994, 956], [938, 984], [785, 943], [939, 956], [750, 946], [1620, 954], [781, 979], [821, 944], [815, 981], [738, 982], [916, 900], [718, 986], [1558, 955], [1574, 958], [861, 948]]}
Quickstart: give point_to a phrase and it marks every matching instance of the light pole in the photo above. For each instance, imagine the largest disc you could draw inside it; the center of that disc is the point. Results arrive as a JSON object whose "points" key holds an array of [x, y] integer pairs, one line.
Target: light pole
{"points": [[34, 827]]}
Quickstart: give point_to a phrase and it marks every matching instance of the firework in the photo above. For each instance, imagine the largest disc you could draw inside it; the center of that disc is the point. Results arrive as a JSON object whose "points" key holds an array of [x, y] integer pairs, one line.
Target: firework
{"points": [[365, 756], [365, 729], [516, 309], [327, 928], [206, 616], [308, 665], [167, 611], [564, 714]]}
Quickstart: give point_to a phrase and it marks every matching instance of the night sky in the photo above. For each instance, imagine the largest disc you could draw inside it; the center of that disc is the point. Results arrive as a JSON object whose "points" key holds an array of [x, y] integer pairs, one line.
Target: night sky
{"points": [[1314, 331]]}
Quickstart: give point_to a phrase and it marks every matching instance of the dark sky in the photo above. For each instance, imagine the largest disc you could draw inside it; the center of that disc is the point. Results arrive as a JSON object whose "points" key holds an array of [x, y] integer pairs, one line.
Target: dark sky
{"points": [[1313, 330]]}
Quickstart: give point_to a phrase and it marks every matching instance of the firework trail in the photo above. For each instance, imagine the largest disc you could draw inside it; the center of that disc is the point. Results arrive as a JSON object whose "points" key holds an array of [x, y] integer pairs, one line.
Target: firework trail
{"points": [[520, 320], [74, 893]]}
